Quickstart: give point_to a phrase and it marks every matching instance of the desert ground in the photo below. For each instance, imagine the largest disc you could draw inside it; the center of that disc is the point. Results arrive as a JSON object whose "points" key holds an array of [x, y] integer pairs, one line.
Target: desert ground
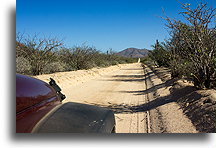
{"points": [[140, 100]]}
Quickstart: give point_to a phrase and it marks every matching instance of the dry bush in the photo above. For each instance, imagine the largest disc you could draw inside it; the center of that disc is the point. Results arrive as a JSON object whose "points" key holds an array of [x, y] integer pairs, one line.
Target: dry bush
{"points": [[192, 45], [54, 67], [38, 51], [23, 66], [48, 56]]}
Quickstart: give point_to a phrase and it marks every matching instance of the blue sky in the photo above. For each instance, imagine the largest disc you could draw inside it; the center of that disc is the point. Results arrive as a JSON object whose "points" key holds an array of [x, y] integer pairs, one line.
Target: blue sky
{"points": [[116, 24]]}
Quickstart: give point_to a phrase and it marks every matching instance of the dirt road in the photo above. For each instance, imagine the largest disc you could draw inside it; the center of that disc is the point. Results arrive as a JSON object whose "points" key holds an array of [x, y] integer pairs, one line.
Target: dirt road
{"points": [[137, 97]]}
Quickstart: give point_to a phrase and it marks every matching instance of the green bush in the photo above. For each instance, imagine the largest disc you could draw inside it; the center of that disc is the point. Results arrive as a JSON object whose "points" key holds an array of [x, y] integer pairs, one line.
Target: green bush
{"points": [[160, 55]]}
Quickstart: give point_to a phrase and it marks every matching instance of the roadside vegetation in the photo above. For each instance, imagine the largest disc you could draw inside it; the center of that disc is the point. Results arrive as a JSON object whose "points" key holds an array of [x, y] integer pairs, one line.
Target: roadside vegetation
{"points": [[36, 56], [190, 50], [189, 53]]}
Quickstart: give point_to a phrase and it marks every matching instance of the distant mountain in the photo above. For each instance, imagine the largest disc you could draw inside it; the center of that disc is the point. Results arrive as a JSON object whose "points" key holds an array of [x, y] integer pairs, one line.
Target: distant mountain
{"points": [[133, 53]]}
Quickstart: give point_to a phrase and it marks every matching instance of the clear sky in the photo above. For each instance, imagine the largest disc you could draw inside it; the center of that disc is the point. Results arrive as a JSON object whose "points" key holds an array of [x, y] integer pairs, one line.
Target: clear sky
{"points": [[116, 24]]}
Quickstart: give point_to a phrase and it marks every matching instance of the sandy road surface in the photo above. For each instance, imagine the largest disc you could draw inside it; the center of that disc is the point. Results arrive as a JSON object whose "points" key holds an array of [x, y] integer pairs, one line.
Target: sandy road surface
{"points": [[129, 91]]}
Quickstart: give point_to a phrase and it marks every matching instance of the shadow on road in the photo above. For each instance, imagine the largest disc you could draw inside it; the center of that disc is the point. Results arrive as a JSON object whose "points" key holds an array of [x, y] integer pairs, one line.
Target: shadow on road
{"points": [[126, 108], [151, 89], [158, 101], [131, 78], [132, 69]]}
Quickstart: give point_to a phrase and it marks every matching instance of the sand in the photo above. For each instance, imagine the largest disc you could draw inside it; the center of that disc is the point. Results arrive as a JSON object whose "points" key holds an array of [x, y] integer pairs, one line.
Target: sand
{"points": [[138, 98]]}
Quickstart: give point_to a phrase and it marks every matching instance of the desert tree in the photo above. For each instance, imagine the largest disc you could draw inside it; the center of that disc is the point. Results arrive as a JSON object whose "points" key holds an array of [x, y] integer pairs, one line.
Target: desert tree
{"points": [[38, 51], [192, 43]]}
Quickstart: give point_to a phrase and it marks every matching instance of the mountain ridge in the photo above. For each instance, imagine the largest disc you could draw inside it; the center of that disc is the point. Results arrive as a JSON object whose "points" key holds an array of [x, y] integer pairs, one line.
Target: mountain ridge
{"points": [[133, 53]]}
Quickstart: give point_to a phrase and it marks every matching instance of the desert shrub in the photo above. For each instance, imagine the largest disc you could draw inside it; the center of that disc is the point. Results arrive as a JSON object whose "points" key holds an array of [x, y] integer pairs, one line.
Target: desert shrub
{"points": [[82, 57], [122, 62], [192, 45], [160, 55], [69, 67], [66, 56], [114, 62], [54, 67], [131, 60], [102, 63], [23, 66], [48, 56], [38, 51], [190, 50]]}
